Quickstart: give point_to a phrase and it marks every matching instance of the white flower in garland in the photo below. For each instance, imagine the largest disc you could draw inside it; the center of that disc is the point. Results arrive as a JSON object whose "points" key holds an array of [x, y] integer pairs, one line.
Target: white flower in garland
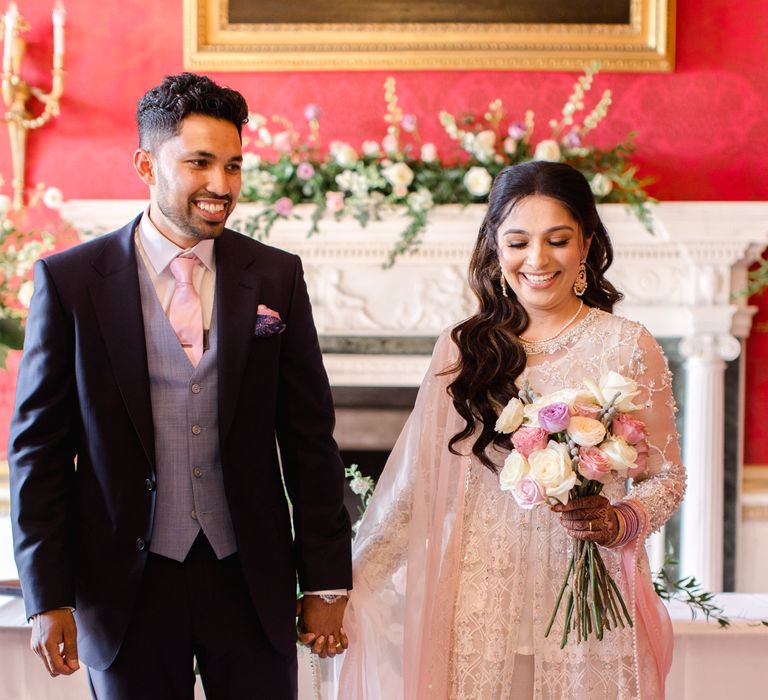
{"points": [[478, 181], [398, 174], [601, 185], [420, 200], [548, 150], [343, 154]]}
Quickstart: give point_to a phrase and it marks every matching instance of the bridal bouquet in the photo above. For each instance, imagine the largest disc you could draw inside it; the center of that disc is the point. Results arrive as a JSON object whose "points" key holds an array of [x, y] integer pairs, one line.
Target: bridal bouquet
{"points": [[566, 445]]}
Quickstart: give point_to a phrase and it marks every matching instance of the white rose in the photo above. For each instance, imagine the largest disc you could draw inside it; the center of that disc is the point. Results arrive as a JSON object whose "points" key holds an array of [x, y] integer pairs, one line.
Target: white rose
{"points": [[371, 148], [600, 185], [621, 454], [25, 293], [586, 432], [429, 153], [511, 416], [5, 203], [510, 145], [547, 150], [52, 198], [515, 468], [611, 384], [398, 174], [563, 492], [478, 181], [552, 468]]}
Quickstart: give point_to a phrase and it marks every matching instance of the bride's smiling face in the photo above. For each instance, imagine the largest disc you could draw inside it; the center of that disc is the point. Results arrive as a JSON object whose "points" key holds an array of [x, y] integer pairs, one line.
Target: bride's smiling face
{"points": [[540, 248]]}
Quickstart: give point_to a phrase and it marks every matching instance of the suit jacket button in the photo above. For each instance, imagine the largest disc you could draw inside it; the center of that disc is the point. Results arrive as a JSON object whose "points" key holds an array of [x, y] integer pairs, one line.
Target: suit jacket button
{"points": [[140, 544], [149, 484]]}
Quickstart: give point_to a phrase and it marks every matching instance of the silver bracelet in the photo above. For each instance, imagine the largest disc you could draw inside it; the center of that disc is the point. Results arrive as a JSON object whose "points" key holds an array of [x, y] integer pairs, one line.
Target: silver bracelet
{"points": [[330, 597]]}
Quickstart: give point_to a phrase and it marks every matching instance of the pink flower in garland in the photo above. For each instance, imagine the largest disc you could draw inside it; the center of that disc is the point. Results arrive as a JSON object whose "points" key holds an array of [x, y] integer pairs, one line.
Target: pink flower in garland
{"points": [[284, 206]]}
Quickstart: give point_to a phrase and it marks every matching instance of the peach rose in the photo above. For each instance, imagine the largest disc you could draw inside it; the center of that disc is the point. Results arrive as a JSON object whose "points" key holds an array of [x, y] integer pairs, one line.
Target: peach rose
{"points": [[586, 432]]}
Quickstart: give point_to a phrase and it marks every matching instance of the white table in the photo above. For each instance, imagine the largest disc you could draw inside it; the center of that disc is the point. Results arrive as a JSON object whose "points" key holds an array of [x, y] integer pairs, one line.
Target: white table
{"points": [[709, 663]]}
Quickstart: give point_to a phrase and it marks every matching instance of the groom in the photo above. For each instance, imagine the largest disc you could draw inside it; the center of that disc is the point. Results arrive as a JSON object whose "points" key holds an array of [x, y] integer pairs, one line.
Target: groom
{"points": [[171, 384]]}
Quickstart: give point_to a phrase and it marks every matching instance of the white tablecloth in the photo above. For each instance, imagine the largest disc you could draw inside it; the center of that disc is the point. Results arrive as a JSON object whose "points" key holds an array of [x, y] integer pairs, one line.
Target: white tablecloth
{"points": [[709, 663]]}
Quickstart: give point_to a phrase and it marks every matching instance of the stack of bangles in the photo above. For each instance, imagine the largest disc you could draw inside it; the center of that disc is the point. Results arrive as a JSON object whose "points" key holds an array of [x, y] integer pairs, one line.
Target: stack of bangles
{"points": [[629, 524]]}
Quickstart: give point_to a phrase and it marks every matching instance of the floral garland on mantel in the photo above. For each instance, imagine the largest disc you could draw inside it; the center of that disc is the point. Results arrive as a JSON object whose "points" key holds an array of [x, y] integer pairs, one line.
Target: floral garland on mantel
{"points": [[22, 242], [282, 168]]}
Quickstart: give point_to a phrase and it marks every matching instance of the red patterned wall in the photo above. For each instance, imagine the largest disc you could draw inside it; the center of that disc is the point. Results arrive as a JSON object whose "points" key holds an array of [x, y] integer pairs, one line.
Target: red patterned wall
{"points": [[702, 130]]}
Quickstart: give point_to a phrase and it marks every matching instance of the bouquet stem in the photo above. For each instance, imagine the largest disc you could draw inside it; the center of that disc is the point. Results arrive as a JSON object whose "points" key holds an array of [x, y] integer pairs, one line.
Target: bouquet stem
{"points": [[594, 603]]}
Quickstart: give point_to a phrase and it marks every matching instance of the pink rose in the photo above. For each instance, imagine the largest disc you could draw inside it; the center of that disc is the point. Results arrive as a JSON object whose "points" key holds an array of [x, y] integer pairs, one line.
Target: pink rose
{"points": [[631, 429], [527, 440], [284, 206], [641, 463], [529, 493], [594, 464], [555, 417], [334, 201], [585, 410], [305, 171]]}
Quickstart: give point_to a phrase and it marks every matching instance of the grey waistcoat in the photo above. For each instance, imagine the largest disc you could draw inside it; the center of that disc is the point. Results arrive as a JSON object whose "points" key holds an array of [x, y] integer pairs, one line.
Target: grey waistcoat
{"points": [[190, 486]]}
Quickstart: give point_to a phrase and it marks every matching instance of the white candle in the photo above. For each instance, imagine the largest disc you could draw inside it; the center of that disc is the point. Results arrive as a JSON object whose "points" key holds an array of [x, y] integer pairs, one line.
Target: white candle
{"points": [[59, 19], [11, 18]]}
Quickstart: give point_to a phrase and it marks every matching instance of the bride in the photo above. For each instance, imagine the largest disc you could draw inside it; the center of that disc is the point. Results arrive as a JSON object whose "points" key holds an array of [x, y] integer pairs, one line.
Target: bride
{"points": [[454, 583]]}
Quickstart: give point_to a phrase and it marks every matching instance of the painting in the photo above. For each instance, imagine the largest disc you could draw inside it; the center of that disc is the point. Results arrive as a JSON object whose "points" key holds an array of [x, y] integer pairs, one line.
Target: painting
{"points": [[258, 35]]}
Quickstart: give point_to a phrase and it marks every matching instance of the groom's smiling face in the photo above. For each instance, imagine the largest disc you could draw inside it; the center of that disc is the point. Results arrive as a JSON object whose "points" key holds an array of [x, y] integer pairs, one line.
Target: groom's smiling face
{"points": [[195, 179]]}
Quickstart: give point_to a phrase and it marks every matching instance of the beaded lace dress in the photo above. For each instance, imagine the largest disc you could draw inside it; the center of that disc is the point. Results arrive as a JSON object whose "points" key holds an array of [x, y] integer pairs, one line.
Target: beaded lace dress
{"points": [[453, 580]]}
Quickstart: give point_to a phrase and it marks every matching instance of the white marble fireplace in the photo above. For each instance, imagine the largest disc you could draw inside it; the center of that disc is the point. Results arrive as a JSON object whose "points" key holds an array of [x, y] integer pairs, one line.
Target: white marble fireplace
{"points": [[679, 282]]}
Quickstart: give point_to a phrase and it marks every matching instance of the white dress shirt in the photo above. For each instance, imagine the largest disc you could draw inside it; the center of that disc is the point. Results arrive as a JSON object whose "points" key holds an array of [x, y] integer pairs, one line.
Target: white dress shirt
{"points": [[157, 252]]}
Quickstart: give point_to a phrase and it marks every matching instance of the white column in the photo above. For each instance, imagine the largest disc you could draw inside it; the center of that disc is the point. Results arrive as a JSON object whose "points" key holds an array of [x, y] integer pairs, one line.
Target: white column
{"points": [[701, 548]]}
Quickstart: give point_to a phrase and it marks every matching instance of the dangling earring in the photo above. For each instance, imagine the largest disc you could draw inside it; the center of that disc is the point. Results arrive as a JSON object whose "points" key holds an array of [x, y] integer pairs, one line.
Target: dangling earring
{"points": [[580, 285], [503, 282]]}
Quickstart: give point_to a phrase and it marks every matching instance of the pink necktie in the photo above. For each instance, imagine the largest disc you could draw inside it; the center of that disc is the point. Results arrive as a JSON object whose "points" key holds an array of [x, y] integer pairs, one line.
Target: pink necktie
{"points": [[185, 312]]}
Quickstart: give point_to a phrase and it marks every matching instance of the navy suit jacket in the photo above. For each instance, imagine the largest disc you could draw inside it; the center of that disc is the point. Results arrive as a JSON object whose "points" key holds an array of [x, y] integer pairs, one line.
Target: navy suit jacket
{"points": [[81, 450]]}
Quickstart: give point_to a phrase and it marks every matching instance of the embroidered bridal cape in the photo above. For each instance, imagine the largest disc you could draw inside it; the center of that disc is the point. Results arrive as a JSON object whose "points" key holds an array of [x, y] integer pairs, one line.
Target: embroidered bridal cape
{"points": [[452, 579]]}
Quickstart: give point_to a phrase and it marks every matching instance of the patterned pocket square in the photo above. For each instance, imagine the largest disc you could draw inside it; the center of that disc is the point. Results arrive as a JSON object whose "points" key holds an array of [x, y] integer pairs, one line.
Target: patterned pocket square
{"points": [[267, 322]]}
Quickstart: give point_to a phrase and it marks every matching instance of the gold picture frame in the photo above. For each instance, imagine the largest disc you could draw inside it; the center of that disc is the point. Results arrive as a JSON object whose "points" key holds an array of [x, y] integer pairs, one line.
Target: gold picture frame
{"points": [[213, 43]]}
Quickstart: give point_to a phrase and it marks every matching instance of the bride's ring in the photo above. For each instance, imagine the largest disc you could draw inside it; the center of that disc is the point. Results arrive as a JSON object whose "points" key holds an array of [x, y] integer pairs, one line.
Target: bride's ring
{"points": [[338, 646]]}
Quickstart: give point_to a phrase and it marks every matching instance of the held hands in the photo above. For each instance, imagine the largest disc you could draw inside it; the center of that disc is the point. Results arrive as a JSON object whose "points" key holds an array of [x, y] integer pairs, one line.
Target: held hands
{"points": [[319, 625], [589, 518], [54, 640]]}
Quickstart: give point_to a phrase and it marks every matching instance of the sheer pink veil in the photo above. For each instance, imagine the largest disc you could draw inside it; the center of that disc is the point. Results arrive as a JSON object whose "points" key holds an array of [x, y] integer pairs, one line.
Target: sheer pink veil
{"points": [[406, 559], [654, 637]]}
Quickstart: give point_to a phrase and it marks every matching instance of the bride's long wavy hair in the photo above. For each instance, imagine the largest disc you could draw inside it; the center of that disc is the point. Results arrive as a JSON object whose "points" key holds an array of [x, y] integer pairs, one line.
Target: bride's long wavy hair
{"points": [[491, 357]]}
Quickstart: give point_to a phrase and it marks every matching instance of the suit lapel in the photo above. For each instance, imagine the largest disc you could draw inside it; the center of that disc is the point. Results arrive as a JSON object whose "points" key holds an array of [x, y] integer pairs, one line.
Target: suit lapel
{"points": [[117, 301], [237, 290]]}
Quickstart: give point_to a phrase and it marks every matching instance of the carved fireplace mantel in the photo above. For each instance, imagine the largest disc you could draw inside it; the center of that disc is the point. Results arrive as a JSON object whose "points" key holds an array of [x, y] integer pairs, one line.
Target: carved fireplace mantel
{"points": [[682, 282]]}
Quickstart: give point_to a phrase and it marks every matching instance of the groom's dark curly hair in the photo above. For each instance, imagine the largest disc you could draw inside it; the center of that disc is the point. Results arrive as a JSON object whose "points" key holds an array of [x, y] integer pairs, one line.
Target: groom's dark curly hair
{"points": [[161, 110]]}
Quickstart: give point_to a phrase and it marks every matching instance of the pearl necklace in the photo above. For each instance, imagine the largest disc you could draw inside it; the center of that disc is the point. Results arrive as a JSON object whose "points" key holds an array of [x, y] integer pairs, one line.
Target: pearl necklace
{"points": [[533, 347]]}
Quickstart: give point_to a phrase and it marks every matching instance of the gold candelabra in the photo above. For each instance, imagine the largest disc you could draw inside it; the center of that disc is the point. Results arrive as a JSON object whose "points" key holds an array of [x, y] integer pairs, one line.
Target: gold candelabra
{"points": [[17, 93]]}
